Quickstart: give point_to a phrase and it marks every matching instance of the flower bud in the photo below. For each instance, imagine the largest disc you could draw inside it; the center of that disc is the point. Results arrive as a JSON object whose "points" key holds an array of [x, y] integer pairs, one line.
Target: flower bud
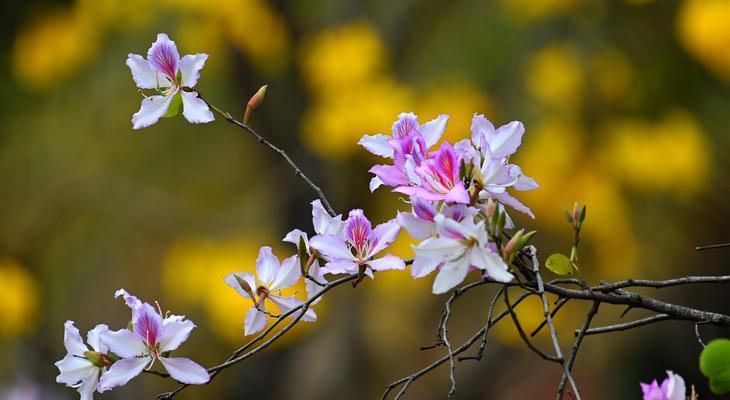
{"points": [[490, 207], [254, 102], [511, 246], [246, 287], [100, 359]]}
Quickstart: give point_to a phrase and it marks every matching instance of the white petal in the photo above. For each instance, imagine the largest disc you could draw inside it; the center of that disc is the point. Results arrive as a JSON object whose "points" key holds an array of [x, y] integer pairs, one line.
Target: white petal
{"points": [[387, 262], [332, 247], [323, 222], [382, 236], [419, 229], [72, 339], [481, 131], [424, 265], [450, 275], [255, 321], [286, 304], [491, 262], [288, 274], [507, 139], [144, 76], [375, 183], [194, 108], [121, 372], [676, 388], [231, 281], [88, 385], [190, 66], [184, 370], [131, 301], [73, 369], [93, 338], [377, 144], [434, 129], [152, 109], [266, 265], [438, 247], [123, 343], [312, 288], [340, 267], [294, 235], [174, 333]]}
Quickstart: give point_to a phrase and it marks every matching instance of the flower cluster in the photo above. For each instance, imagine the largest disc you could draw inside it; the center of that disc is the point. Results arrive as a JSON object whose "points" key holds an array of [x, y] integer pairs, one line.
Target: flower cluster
{"points": [[456, 193], [115, 357]]}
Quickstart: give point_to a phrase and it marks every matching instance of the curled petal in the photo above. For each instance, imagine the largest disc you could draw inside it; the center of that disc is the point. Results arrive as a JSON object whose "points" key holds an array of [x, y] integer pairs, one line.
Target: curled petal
{"points": [[122, 372], [131, 301], [194, 108], [375, 183], [294, 235], [323, 222], [184, 370]]}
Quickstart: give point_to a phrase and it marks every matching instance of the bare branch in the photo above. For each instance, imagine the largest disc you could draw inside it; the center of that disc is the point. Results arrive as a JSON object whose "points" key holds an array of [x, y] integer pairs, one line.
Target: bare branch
{"points": [[627, 325], [576, 346]]}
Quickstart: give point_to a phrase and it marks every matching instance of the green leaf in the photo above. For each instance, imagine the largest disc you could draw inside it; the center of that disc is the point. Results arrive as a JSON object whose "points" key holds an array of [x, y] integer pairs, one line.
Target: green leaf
{"points": [[715, 364], [174, 106], [568, 216], [559, 264]]}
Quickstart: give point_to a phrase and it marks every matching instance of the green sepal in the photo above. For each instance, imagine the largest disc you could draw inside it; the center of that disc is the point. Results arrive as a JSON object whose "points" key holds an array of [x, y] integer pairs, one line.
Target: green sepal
{"points": [[174, 106], [303, 258], [568, 216]]}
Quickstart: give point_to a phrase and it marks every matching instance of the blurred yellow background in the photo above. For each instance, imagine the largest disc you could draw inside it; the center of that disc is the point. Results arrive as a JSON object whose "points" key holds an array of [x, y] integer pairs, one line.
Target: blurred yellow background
{"points": [[626, 109]]}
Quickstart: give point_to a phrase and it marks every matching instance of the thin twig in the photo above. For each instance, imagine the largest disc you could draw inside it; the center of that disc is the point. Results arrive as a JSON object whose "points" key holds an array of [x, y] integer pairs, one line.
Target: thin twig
{"points": [[522, 333], [712, 246], [483, 343], [576, 346], [627, 325]]}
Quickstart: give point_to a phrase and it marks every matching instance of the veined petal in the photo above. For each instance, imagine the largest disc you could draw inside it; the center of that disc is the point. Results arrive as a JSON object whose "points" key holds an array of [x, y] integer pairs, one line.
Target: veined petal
{"points": [[458, 194], [144, 76], [190, 66], [184, 370], [340, 267], [287, 304], [131, 301], [121, 372], [152, 109], [331, 246], [255, 321], [377, 144], [492, 263], [382, 236], [387, 262], [266, 266], [434, 129], [174, 333], [72, 339], [194, 108], [390, 175], [231, 281], [288, 274], [163, 56], [147, 324], [72, 369], [124, 343], [88, 385], [450, 275]]}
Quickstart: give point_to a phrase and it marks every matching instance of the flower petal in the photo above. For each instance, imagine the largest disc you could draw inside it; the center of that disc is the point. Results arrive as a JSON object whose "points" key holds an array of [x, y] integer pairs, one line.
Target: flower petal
{"points": [[491, 262], [190, 66], [231, 281], [294, 235], [123, 343], [163, 56], [72, 339], [152, 109], [88, 385], [174, 333], [194, 108], [434, 129], [506, 139], [340, 267], [184, 370], [424, 265], [450, 275], [312, 288], [287, 304], [418, 228], [387, 262], [144, 76], [93, 338], [382, 236], [288, 274], [131, 301], [255, 321], [375, 183], [121, 372], [73, 369], [377, 144], [323, 222], [332, 247], [267, 264]]}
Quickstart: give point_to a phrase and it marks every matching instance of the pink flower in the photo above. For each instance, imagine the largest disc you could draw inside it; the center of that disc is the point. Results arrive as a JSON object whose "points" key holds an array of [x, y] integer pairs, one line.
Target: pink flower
{"points": [[359, 246], [439, 178], [672, 388], [167, 73]]}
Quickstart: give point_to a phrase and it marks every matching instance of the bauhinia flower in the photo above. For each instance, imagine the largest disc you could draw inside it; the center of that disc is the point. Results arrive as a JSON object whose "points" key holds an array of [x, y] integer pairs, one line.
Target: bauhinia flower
{"points": [[82, 366], [151, 338], [356, 252], [672, 388], [421, 223], [173, 78], [324, 224], [460, 247], [439, 178], [272, 277], [408, 147]]}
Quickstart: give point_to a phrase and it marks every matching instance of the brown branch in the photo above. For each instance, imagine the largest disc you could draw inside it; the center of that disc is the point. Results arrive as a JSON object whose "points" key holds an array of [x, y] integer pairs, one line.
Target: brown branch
{"points": [[627, 325], [576, 346]]}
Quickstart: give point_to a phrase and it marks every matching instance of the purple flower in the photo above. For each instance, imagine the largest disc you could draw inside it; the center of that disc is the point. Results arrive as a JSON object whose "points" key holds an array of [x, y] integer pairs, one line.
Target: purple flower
{"points": [[439, 178], [672, 388], [82, 366], [167, 73], [150, 339], [460, 247], [272, 277], [408, 147], [359, 246], [421, 223]]}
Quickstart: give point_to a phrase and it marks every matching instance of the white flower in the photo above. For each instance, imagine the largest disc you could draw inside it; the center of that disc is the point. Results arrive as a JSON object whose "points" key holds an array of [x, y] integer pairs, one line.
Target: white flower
{"points": [[81, 367]]}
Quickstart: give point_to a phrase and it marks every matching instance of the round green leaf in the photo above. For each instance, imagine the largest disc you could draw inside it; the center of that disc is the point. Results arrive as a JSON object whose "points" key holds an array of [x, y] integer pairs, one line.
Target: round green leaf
{"points": [[559, 264], [715, 364]]}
